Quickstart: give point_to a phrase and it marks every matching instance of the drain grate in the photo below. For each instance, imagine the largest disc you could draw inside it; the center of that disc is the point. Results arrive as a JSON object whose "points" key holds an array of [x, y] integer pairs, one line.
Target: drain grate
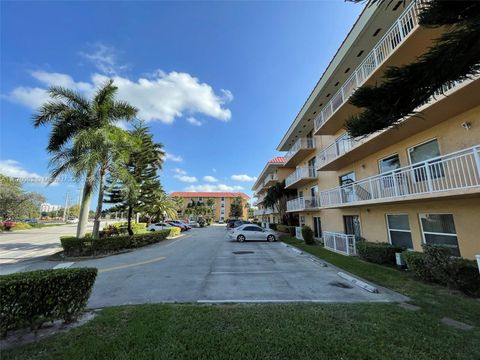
{"points": [[243, 252], [340, 285]]}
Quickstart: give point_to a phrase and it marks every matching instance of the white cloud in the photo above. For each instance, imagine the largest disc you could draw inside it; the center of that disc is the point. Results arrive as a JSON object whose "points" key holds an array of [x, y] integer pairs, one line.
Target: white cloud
{"points": [[213, 187], [172, 157], [210, 179], [194, 121], [163, 97], [14, 169], [179, 171], [244, 178], [186, 178], [104, 58]]}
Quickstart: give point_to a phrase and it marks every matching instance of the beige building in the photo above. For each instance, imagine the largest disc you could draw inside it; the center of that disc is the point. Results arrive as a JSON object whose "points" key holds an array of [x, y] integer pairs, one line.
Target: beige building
{"points": [[275, 171], [222, 202], [412, 184]]}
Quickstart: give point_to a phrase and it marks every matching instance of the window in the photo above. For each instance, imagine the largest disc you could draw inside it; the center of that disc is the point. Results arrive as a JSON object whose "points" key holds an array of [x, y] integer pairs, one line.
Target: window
{"points": [[420, 154], [389, 163], [439, 229], [347, 189], [312, 167], [399, 230], [223, 199], [252, 228]]}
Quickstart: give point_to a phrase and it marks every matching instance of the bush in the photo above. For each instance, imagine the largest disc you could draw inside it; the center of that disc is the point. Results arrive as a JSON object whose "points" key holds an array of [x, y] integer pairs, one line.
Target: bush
{"points": [[121, 228], [73, 246], [286, 229], [175, 231], [416, 263], [21, 226], [379, 253], [273, 226], [32, 298], [437, 265], [201, 222], [307, 235]]}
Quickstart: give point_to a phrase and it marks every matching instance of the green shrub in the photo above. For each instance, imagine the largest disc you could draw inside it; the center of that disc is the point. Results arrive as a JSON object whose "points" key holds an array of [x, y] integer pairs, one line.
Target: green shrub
{"points": [[121, 228], [273, 226], [307, 235], [416, 263], [175, 231], [286, 229], [73, 246], [21, 226], [201, 222], [379, 253], [437, 265], [32, 298]]}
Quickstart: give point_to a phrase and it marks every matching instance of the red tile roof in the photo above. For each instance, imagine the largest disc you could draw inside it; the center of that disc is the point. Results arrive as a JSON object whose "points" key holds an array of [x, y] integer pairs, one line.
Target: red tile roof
{"points": [[278, 160], [209, 194]]}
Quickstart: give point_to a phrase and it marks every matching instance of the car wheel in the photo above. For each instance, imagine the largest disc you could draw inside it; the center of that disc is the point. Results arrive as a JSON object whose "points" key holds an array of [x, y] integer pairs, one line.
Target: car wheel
{"points": [[270, 238], [240, 238]]}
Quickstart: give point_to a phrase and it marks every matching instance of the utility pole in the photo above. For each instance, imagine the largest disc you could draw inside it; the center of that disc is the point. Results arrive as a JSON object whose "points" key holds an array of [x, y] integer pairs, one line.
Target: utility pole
{"points": [[65, 208]]}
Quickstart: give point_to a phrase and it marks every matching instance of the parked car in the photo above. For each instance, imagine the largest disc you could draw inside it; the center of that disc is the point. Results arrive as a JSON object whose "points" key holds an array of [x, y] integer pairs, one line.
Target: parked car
{"points": [[159, 226], [179, 224], [252, 232], [72, 220], [193, 223], [233, 223], [31, 221]]}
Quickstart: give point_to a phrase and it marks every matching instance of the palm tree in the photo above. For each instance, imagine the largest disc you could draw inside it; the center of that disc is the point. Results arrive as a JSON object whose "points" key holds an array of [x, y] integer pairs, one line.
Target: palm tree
{"points": [[71, 115]]}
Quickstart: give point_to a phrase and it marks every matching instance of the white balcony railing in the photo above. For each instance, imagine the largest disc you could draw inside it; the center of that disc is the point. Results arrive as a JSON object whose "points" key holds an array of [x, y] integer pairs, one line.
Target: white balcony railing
{"points": [[403, 26], [302, 143], [457, 170], [301, 172], [265, 211], [303, 203], [341, 243], [270, 177], [338, 148]]}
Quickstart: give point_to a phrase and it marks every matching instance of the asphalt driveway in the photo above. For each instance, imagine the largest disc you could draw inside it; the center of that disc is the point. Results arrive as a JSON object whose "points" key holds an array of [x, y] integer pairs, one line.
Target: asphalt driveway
{"points": [[205, 266]]}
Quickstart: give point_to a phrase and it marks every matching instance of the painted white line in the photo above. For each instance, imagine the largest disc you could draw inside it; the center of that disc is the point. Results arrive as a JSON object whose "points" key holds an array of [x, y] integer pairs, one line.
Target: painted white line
{"points": [[246, 272], [64, 265], [261, 301], [359, 283]]}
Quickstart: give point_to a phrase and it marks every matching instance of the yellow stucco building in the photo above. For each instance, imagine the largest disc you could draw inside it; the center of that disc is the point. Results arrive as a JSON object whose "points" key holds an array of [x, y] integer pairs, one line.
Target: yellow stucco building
{"points": [[415, 183]]}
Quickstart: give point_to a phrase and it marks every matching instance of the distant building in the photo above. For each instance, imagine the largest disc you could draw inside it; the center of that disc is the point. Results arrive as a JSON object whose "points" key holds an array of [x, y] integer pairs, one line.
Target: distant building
{"points": [[46, 207], [222, 202]]}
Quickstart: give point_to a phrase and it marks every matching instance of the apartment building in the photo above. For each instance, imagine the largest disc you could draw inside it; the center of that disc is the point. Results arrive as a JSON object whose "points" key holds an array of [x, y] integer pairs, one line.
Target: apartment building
{"points": [[411, 184], [275, 171], [222, 202]]}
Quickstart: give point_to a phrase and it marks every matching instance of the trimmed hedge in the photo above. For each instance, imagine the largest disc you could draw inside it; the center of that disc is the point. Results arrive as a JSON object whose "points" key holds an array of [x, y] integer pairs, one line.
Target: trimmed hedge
{"points": [[273, 226], [73, 246], [307, 234], [379, 253], [286, 229], [35, 297], [121, 228], [175, 231], [437, 265]]}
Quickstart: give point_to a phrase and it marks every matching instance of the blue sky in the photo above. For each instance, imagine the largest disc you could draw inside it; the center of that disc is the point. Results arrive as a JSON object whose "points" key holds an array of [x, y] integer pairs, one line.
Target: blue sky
{"points": [[218, 82]]}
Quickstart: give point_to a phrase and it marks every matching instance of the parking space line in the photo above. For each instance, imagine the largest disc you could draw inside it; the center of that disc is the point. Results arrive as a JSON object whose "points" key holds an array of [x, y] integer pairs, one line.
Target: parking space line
{"points": [[120, 267]]}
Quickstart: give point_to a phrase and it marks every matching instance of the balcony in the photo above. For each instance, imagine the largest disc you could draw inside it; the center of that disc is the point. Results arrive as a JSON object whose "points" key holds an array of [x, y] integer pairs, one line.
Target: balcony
{"points": [[270, 180], [393, 38], [260, 212], [345, 150], [457, 173], [341, 243], [303, 204], [301, 176], [299, 150]]}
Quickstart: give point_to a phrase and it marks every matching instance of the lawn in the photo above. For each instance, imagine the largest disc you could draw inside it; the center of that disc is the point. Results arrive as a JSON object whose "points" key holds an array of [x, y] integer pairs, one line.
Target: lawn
{"points": [[279, 331], [273, 331], [435, 300]]}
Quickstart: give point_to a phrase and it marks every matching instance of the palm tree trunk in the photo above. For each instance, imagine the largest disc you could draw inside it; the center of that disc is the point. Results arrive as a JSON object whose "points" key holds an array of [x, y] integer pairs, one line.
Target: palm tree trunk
{"points": [[98, 211], [129, 220], [85, 206]]}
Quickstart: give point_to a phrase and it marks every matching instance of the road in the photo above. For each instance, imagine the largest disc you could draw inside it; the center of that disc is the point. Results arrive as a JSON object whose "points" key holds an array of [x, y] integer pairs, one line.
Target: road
{"points": [[204, 266]]}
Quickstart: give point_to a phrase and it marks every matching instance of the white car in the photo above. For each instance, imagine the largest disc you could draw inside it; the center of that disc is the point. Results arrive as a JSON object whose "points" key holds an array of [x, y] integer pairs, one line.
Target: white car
{"points": [[252, 232], [159, 226], [72, 220]]}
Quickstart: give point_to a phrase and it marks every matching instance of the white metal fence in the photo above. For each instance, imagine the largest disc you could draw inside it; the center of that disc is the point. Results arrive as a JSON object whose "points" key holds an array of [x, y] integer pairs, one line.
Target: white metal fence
{"points": [[301, 172], [458, 170], [338, 148], [404, 25], [302, 143], [341, 243]]}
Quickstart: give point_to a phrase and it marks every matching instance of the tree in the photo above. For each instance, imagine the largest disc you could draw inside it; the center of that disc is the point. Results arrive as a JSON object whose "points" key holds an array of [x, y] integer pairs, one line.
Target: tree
{"points": [[16, 202], [71, 114], [163, 207], [276, 198], [454, 56], [135, 189], [236, 208]]}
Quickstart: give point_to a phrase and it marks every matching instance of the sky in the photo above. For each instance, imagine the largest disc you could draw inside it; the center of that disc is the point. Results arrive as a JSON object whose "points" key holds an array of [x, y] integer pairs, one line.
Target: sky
{"points": [[219, 83]]}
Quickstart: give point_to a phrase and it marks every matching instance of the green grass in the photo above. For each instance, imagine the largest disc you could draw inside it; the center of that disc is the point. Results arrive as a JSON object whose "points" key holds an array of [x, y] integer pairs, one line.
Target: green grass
{"points": [[435, 300], [356, 331]]}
